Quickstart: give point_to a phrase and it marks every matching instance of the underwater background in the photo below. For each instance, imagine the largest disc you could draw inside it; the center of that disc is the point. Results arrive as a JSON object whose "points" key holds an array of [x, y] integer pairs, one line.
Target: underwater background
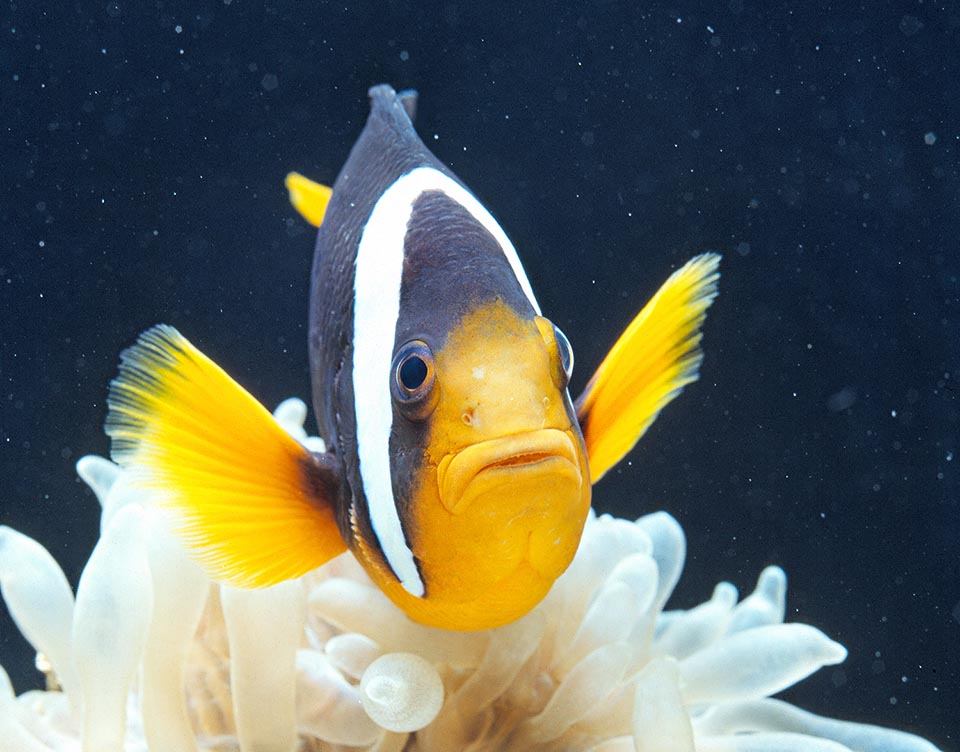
{"points": [[143, 148]]}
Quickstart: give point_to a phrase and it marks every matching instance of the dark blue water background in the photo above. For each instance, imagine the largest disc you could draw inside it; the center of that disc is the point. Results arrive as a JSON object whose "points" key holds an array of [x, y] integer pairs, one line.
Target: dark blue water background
{"points": [[142, 153]]}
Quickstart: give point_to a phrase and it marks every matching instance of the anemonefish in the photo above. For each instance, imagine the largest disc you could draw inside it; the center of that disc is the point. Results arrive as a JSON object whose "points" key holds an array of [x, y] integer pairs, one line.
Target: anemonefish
{"points": [[457, 469]]}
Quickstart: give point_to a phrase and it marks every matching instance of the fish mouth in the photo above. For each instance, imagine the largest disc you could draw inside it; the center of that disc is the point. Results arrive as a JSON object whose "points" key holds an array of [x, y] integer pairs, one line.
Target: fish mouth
{"points": [[502, 461]]}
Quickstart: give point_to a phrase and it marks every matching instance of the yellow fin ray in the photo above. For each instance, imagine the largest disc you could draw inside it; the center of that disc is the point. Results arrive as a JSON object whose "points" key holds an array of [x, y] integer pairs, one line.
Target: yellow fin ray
{"points": [[246, 494], [655, 357], [310, 199]]}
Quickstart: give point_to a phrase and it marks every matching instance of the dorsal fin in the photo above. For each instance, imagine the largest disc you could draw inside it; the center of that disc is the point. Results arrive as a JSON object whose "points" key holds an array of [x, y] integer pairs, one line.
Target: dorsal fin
{"points": [[408, 98]]}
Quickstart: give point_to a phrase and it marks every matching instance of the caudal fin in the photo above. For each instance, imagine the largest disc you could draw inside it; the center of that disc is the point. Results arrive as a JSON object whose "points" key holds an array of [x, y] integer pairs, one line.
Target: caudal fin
{"points": [[310, 199], [255, 506], [656, 356]]}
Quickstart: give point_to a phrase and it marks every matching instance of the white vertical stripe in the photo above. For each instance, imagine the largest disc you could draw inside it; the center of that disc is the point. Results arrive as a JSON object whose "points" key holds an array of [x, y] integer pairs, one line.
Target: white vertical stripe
{"points": [[379, 273]]}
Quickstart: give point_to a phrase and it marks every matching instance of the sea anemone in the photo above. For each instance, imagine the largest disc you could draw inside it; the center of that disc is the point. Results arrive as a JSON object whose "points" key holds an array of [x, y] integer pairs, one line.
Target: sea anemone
{"points": [[154, 656]]}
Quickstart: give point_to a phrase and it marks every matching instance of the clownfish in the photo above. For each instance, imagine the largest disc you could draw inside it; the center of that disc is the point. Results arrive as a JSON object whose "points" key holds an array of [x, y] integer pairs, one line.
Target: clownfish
{"points": [[456, 468]]}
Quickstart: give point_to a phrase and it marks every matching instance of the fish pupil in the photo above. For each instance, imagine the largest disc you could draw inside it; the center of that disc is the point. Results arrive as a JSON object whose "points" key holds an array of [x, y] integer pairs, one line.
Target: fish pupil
{"points": [[413, 372]]}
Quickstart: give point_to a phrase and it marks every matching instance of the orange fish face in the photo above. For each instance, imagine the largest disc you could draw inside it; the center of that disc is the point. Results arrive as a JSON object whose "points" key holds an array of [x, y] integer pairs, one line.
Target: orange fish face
{"points": [[503, 490]]}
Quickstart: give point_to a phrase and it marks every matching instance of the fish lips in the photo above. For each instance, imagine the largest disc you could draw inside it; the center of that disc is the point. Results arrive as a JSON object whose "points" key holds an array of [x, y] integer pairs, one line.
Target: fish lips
{"points": [[488, 465]]}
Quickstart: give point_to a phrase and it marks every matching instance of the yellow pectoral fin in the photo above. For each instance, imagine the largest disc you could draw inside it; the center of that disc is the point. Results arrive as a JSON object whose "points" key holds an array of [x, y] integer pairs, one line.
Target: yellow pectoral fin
{"points": [[308, 198], [657, 355], [253, 504]]}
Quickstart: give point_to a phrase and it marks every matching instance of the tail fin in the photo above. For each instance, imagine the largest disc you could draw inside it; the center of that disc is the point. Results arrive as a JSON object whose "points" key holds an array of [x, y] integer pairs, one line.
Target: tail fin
{"points": [[655, 357], [255, 506], [310, 199]]}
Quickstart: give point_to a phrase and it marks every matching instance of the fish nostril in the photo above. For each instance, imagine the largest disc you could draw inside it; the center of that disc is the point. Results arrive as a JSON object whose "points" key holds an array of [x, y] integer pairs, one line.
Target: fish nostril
{"points": [[468, 417]]}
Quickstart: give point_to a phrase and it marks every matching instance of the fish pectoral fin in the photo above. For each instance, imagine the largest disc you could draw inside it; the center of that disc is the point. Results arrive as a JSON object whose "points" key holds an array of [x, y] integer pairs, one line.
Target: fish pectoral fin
{"points": [[252, 504], [308, 198], [656, 356]]}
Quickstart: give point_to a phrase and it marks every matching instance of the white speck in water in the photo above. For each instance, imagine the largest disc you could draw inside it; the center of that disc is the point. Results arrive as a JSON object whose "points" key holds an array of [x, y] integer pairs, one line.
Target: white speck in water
{"points": [[929, 138], [893, 413], [404, 55], [710, 29], [178, 28], [949, 456]]}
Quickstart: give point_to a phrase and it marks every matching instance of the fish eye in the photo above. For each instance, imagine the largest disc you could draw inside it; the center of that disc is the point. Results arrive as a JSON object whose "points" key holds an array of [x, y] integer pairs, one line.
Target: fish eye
{"points": [[565, 350], [414, 377]]}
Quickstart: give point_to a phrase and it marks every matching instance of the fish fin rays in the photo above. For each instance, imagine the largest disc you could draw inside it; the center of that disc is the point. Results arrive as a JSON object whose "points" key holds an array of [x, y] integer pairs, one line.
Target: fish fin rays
{"points": [[408, 98], [253, 505], [310, 199], [653, 360]]}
